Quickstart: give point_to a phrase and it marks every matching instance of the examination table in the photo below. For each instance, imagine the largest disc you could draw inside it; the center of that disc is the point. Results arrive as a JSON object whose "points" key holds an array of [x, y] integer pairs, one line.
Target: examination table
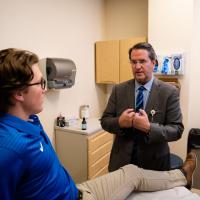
{"points": [[177, 193]]}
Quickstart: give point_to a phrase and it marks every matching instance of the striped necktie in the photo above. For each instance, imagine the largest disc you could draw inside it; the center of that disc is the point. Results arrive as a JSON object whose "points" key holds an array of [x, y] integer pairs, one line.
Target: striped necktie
{"points": [[140, 99], [137, 136]]}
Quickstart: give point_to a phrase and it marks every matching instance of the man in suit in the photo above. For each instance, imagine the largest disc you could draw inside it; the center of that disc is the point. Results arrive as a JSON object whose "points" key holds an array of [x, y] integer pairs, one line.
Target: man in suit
{"points": [[142, 134]]}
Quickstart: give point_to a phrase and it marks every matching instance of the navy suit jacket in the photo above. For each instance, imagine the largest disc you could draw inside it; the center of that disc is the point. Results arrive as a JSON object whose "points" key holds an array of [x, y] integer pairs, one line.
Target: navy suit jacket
{"points": [[165, 125]]}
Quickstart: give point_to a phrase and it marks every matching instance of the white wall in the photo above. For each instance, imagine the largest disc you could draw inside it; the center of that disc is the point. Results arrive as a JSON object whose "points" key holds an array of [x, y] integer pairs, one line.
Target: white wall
{"points": [[59, 28], [171, 30], [194, 80], [126, 19]]}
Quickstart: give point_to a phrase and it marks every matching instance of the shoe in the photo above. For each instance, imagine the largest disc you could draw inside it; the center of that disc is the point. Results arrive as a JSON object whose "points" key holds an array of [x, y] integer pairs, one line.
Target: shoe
{"points": [[188, 168]]}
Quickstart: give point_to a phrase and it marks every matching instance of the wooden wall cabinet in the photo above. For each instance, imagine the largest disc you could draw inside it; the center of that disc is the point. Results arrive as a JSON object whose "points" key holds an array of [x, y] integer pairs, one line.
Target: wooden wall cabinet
{"points": [[112, 60], [84, 156]]}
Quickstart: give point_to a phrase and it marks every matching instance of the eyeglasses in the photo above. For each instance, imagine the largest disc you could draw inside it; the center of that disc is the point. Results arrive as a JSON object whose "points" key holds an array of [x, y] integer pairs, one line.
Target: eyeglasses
{"points": [[42, 83], [141, 62]]}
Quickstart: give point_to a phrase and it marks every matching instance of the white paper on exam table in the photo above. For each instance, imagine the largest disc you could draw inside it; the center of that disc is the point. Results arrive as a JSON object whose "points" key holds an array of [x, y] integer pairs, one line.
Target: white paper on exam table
{"points": [[177, 193]]}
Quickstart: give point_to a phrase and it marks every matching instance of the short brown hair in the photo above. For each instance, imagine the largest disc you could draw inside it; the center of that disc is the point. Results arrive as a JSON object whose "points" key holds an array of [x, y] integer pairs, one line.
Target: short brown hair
{"points": [[146, 46], [15, 73]]}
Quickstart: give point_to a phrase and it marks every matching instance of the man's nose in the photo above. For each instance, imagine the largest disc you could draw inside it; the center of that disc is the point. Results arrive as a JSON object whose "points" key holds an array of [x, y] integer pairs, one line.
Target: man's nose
{"points": [[138, 65]]}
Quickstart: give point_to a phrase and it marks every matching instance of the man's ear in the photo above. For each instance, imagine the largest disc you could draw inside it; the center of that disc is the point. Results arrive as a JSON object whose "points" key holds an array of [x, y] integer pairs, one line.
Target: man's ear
{"points": [[153, 63], [18, 96]]}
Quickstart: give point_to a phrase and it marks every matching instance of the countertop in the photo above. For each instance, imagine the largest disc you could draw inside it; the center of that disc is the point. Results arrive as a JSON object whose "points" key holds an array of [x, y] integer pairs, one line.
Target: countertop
{"points": [[93, 126]]}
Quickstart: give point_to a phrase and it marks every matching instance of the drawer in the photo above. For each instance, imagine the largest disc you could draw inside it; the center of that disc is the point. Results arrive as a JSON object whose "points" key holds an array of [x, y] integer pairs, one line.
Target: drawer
{"points": [[96, 169], [94, 156], [101, 172], [99, 139]]}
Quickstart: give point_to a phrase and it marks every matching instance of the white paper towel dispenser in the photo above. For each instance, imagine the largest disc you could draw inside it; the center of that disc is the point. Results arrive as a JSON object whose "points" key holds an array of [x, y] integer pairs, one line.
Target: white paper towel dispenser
{"points": [[59, 72]]}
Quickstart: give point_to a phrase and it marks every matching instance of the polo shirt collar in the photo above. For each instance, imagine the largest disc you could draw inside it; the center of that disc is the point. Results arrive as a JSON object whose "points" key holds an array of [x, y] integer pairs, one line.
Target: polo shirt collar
{"points": [[32, 126]]}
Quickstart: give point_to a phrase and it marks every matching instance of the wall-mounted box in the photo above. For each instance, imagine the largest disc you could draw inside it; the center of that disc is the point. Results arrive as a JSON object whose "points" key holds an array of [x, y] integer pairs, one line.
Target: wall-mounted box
{"points": [[171, 64]]}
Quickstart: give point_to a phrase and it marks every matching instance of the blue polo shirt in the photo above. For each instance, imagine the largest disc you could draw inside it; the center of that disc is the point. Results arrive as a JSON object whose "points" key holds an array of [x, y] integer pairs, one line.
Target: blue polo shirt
{"points": [[29, 167]]}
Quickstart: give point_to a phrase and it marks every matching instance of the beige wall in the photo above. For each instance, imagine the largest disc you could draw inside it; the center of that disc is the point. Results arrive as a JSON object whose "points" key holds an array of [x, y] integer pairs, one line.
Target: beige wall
{"points": [[126, 19], [59, 28], [194, 68], [171, 30]]}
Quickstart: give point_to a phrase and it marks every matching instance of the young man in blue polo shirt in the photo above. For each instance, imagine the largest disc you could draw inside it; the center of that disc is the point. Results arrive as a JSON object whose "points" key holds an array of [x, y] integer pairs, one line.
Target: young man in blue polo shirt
{"points": [[29, 166]]}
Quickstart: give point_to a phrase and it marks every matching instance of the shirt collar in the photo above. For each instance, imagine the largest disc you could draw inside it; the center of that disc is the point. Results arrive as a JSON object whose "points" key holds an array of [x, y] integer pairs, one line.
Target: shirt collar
{"points": [[33, 125], [147, 86]]}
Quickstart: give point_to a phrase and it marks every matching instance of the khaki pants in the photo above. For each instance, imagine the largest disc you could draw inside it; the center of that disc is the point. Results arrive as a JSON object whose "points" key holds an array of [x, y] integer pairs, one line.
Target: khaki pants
{"points": [[119, 184]]}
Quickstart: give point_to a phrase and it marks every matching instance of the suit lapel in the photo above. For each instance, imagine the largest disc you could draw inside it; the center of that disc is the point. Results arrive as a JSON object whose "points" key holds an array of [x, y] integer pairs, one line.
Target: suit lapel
{"points": [[131, 94]]}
